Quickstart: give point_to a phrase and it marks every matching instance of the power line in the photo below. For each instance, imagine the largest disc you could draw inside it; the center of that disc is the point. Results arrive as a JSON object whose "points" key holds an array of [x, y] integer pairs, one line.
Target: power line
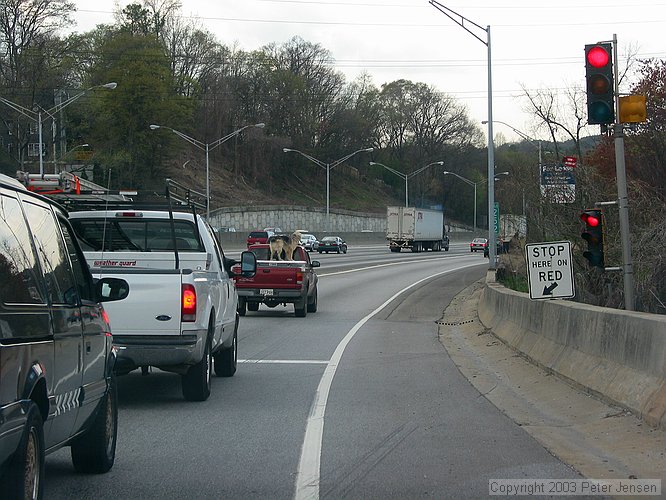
{"points": [[395, 25]]}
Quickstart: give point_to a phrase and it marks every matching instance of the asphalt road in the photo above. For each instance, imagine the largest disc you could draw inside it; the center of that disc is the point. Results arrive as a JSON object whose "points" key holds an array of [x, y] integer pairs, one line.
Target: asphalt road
{"points": [[358, 400]]}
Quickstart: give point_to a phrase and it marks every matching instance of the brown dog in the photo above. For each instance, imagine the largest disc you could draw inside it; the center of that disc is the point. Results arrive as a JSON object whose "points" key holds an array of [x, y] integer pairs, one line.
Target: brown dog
{"points": [[283, 246]]}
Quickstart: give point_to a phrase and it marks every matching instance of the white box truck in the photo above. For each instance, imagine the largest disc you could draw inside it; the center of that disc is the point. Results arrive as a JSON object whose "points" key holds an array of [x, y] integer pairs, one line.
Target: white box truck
{"points": [[417, 229]]}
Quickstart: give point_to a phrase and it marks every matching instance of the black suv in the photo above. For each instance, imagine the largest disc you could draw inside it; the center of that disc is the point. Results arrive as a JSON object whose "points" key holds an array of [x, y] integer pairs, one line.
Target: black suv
{"points": [[56, 355]]}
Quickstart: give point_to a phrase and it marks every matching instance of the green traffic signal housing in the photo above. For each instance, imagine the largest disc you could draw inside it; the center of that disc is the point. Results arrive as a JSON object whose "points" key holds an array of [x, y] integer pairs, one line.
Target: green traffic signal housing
{"points": [[599, 77], [593, 233]]}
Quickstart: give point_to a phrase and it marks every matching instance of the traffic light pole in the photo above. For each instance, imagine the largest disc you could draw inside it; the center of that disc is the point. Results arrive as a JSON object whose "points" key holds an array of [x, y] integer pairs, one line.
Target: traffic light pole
{"points": [[623, 199]]}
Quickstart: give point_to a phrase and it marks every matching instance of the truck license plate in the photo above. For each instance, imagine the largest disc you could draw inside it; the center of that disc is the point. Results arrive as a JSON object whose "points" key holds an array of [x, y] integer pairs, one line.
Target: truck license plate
{"points": [[266, 291]]}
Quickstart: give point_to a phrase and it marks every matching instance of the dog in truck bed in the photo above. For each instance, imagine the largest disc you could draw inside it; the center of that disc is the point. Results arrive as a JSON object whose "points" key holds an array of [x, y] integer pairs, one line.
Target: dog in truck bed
{"points": [[283, 245]]}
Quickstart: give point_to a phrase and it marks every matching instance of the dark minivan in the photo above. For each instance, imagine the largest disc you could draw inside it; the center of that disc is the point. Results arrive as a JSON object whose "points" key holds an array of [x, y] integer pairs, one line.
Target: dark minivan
{"points": [[56, 355]]}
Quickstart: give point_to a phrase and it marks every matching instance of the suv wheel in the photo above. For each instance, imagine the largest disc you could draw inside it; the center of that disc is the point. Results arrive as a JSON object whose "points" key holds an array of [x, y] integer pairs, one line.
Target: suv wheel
{"points": [[196, 382], [25, 476], [95, 450], [226, 360]]}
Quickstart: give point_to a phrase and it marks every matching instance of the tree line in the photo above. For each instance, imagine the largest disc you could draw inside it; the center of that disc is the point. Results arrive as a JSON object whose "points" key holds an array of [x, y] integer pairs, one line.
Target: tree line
{"points": [[173, 72]]}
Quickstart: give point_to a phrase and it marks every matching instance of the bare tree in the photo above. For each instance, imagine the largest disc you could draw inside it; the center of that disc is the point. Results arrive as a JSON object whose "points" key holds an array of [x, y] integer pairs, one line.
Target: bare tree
{"points": [[25, 25], [563, 118]]}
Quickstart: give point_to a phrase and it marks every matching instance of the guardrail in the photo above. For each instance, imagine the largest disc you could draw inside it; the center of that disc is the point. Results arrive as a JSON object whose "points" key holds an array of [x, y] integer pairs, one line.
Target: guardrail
{"points": [[616, 355]]}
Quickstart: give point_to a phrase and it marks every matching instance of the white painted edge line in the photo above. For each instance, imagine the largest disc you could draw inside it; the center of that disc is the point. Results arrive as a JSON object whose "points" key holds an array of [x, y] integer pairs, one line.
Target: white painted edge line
{"points": [[400, 263], [308, 474]]}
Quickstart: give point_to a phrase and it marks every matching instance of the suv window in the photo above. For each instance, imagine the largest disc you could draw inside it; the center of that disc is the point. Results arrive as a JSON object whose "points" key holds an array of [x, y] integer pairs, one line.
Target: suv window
{"points": [[79, 265], [17, 260], [52, 255]]}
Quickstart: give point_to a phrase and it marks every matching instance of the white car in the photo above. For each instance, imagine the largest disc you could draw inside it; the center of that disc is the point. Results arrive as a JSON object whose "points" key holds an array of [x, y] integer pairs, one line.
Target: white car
{"points": [[308, 241]]}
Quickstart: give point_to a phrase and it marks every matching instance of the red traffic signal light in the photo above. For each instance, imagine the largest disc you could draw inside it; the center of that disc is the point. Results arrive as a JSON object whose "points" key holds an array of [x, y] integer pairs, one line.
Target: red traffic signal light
{"points": [[599, 78], [593, 233], [590, 219], [598, 57]]}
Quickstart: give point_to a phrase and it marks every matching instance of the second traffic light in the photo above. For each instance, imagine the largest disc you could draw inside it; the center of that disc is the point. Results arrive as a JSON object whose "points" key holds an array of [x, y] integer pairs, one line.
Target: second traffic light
{"points": [[599, 78], [593, 233]]}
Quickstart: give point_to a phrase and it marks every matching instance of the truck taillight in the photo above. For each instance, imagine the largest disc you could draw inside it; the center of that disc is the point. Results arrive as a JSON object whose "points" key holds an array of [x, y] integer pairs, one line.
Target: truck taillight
{"points": [[105, 318], [188, 310], [299, 276]]}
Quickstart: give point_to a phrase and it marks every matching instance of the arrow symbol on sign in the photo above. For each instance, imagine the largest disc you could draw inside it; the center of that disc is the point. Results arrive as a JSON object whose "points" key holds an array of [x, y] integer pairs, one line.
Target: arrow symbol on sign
{"points": [[548, 290]]}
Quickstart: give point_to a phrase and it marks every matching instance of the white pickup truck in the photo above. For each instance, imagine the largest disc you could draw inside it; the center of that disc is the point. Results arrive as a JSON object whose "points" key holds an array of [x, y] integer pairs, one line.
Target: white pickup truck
{"points": [[181, 312]]}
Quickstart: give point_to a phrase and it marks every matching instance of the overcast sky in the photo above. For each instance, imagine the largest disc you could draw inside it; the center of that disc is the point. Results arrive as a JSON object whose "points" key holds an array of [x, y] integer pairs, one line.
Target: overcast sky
{"points": [[536, 44]]}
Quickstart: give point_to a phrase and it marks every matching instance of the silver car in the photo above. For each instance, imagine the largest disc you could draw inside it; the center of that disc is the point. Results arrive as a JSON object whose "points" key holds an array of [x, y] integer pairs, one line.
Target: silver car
{"points": [[308, 241]]}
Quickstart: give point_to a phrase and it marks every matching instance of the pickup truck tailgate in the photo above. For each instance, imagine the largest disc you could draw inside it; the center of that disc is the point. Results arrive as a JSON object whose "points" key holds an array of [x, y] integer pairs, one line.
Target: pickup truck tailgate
{"points": [[158, 310], [275, 274]]}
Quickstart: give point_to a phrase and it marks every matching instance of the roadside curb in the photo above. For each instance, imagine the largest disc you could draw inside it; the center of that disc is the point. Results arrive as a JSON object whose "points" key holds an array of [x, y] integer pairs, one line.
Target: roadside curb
{"points": [[599, 440]]}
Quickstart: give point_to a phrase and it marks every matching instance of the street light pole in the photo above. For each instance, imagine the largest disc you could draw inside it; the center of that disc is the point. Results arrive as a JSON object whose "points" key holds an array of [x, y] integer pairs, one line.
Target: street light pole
{"points": [[207, 147], [407, 176], [471, 184], [328, 167], [36, 115], [463, 23]]}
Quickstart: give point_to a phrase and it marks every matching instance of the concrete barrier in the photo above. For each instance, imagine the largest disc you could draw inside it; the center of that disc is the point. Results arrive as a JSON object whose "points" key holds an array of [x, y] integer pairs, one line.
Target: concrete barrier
{"points": [[617, 355]]}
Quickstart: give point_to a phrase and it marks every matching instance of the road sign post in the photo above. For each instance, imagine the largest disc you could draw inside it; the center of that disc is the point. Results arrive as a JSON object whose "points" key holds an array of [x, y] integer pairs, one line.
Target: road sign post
{"points": [[550, 270]]}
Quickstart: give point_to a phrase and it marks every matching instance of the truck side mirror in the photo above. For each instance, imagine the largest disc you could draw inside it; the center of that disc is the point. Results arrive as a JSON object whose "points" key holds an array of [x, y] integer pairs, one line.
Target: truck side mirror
{"points": [[110, 289], [248, 264]]}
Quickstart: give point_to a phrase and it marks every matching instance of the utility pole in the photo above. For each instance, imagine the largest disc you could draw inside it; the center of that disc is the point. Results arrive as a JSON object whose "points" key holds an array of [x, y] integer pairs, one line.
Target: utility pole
{"points": [[623, 197]]}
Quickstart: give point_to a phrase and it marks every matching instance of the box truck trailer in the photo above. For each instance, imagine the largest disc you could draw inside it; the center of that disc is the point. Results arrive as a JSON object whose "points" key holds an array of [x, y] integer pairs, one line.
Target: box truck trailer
{"points": [[416, 229]]}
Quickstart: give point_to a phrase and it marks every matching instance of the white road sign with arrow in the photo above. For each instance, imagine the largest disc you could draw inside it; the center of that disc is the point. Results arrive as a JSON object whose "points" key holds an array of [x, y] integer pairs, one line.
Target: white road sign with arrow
{"points": [[550, 270]]}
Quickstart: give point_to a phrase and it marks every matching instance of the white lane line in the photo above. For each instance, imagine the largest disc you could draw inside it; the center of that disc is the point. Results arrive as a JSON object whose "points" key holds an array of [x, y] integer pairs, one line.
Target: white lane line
{"points": [[397, 264], [285, 361], [308, 475]]}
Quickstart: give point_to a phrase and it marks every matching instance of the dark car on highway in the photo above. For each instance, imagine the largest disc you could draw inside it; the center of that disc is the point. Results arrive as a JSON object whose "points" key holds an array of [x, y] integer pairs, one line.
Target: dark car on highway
{"points": [[56, 383], [332, 244]]}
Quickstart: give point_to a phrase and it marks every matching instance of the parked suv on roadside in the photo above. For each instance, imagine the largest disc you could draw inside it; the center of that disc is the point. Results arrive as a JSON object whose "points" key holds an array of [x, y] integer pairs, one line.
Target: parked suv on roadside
{"points": [[56, 356]]}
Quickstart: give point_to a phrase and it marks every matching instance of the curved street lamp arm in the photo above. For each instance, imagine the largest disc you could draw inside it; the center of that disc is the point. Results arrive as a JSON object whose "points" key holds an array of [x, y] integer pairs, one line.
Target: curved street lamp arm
{"points": [[399, 174], [189, 139], [311, 158], [20, 109], [341, 160], [536, 143], [67, 102], [447, 12], [461, 178], [412, 174], [224, 139]]}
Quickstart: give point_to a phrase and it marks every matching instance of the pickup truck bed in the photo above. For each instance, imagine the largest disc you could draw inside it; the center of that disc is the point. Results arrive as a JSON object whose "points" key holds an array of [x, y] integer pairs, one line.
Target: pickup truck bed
{"points": [[279, 282]]}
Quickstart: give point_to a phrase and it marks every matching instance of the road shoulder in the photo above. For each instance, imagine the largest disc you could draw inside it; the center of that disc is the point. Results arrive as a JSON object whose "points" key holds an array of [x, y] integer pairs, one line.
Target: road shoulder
{"points": [[598, 440]]}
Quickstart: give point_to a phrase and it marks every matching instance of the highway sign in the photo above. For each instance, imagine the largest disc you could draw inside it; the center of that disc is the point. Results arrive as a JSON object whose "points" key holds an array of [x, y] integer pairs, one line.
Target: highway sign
{"points": [[496, 217], [550, 270]]}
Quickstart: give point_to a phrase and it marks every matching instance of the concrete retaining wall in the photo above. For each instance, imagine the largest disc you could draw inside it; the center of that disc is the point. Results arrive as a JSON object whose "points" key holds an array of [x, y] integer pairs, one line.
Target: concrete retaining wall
{"points": [[617, 355], [311, 219]]}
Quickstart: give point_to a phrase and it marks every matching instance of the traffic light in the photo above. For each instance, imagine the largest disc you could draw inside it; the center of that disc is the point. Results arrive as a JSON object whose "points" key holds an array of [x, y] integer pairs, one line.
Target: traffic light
{"points": [[599, 79], [594, 235]]}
